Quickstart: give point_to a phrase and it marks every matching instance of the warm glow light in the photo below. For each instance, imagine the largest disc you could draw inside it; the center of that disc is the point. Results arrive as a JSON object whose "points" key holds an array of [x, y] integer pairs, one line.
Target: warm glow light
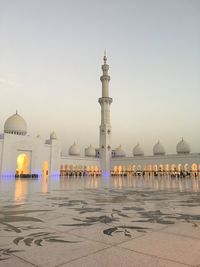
{"points": [[45, 169], [22, 164], [20, 189]]}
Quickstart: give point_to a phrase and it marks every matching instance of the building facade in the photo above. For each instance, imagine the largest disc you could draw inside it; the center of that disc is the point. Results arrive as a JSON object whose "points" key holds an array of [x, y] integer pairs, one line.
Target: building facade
{"points": [[24, 154]]}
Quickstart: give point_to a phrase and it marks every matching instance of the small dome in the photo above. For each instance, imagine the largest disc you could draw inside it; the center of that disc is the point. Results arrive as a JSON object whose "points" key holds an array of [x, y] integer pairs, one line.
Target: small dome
{"points": [[138, 151], [158, 149], [53, 136], [182, 147], [119, 152], [74, 150], [90, 151], [15, 124]]}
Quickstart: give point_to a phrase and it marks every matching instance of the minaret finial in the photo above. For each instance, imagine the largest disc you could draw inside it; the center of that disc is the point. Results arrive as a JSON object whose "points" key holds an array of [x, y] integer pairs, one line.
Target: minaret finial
{"points": [[105, 57]]}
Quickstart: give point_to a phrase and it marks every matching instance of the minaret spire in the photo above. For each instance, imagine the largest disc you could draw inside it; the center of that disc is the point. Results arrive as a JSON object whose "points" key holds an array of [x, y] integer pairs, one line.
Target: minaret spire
{"points": [[105, 127], [105, 57]]}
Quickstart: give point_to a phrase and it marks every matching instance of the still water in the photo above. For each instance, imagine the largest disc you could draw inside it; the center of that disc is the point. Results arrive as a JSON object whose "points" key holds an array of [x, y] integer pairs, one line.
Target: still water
{"points": [[20, 190], [53, 220]]}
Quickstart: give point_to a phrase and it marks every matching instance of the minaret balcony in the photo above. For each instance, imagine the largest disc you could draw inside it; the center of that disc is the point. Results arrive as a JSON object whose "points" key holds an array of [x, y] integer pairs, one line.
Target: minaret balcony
{"points": [[105, 100], [105, 78]]}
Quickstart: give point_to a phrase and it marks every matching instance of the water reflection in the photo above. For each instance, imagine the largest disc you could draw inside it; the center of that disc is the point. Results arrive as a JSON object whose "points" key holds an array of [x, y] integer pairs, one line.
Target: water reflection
{"points": [[79, 182], [148, 182], [158, 183], [21, 189], [45, 182]]}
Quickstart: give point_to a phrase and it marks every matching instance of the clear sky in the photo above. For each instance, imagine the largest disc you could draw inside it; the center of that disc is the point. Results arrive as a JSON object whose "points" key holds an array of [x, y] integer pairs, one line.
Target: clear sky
{"points": [[50, 63]]}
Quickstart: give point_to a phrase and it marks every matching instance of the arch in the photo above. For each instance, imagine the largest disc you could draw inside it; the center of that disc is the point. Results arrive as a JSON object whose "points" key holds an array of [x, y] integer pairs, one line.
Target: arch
{"points": [[96, 169], [173, 167], [166, 167], [88, 168], [186, 167], [133, 168], [74, 167], [71, 167], [82, 168], [66, 167], [22, 164], [150, 168], [79, 167], [45, 168], [161, 168], [155, 167], [92, 168], [119, 169], [124, 168], [115, 168], [139, 167], [179, 167], [194, 167]]}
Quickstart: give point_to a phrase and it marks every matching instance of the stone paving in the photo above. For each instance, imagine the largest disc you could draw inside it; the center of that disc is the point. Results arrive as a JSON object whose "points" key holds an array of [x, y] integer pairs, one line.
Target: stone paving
{"points": [[132, 221]]}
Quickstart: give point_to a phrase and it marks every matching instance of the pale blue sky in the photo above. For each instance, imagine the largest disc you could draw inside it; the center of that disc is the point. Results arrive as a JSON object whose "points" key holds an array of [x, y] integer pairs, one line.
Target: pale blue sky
{"points": [[50, 63]]}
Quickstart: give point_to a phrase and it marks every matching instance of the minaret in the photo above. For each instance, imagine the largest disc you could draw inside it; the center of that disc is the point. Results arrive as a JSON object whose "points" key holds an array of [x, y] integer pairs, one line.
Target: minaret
{"points": [[105, 127]]}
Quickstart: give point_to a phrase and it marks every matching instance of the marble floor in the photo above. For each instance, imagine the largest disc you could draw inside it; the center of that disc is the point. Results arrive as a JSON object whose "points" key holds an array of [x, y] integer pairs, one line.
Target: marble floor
{"points": [[88, 221]]}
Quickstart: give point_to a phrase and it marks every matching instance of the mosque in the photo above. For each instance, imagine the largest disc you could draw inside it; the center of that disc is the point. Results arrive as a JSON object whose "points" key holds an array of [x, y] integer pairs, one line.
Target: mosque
{"points": [[22, 154]]}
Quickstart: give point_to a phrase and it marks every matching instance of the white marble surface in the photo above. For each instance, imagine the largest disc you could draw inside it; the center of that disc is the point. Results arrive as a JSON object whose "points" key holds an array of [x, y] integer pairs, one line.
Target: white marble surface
{"points": [[99, 222]]}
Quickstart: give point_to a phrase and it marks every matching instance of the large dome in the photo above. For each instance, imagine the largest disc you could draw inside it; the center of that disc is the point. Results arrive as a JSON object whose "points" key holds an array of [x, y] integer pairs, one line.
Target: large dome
{"points": [[119, 152], [15, 124], [182, 147], [74, 150], [138, 151], [90, 151], [158, 149]]}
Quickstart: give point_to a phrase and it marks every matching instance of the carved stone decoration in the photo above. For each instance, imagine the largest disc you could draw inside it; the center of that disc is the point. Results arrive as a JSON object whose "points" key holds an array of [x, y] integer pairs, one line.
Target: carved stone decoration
{"points": [[109, 147], [102, 146], [105, 78], [109, 131], [105, 100]]}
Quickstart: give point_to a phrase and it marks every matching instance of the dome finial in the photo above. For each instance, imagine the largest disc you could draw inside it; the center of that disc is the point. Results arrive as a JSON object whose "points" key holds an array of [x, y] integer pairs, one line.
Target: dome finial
{"points": [[16, 112], [105, 57]]}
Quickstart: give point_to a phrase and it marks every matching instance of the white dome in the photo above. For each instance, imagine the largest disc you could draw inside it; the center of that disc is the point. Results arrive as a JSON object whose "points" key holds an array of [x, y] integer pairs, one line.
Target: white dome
{"points": [[183, 147], [119, 152], [74, 150], [15, 124], [90, 151], [138, 151], [53, 136], [158, 149]]}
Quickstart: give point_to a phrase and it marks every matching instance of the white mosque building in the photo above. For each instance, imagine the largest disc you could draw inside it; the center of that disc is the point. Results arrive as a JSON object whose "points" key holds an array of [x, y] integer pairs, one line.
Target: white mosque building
{"points": [[24, 154]]}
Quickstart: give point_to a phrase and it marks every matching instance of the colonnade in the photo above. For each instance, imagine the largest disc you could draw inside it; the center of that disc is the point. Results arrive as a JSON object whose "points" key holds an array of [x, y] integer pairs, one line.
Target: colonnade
{"points": [[79, 170], [157, 169]]}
